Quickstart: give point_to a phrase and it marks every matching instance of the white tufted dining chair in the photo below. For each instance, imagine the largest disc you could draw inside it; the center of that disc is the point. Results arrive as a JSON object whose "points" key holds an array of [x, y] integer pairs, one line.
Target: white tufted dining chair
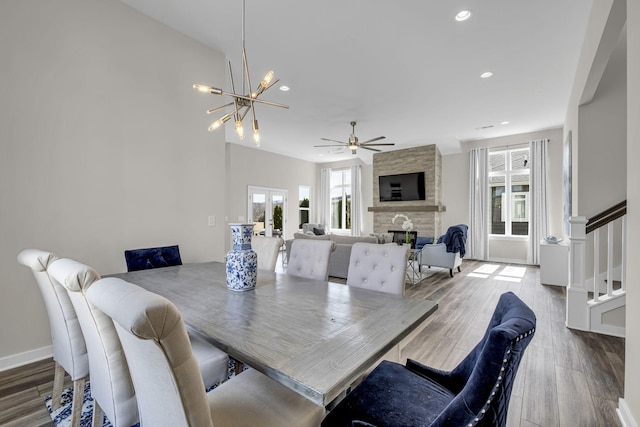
{"points": [[111, 386], [267, 249], [165, 372], [310, 258], [69, 349], [378, 267]]}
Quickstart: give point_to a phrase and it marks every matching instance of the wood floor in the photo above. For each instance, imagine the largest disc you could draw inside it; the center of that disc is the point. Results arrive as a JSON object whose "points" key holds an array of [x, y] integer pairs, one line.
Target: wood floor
{"points": [[567, 378]]}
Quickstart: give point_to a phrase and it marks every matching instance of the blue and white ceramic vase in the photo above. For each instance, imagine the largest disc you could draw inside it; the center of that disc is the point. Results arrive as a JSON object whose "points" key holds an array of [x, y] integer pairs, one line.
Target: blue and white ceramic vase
{"points": [[242, 261]]}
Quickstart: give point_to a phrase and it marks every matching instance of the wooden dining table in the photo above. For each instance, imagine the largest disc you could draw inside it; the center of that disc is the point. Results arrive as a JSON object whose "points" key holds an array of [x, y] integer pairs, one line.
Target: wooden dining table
{"points": [[314, 337]]}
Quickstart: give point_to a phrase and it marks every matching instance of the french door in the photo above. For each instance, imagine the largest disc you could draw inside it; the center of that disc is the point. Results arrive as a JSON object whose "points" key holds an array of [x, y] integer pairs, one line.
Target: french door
{"points": [[267, 210]]}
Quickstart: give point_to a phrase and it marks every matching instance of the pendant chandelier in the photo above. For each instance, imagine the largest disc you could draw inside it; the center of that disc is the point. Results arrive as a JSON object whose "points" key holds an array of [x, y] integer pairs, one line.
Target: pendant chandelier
{"points": [[244, 101]]}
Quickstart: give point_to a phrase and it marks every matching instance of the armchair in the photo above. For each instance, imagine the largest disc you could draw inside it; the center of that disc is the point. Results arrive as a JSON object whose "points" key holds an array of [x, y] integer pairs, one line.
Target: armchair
{"points": [[447, 252], [475, 393]]}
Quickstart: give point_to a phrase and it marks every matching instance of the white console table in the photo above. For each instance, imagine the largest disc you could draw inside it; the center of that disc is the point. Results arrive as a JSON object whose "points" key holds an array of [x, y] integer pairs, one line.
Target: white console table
{"points": [[554, 263]]}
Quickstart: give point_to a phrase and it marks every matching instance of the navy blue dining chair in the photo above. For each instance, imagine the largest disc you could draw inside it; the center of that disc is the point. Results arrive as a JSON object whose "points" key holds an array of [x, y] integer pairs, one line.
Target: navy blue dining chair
{"points": [[147, 258], [475, 393]]}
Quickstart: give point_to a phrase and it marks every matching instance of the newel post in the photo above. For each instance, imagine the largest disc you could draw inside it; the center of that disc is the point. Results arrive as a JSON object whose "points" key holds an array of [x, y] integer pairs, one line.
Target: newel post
{"points": [[577, 309]]}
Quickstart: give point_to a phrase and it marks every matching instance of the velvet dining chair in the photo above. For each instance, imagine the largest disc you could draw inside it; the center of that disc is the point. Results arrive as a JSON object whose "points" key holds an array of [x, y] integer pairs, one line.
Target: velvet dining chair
{"points": [[146, 258], [475, 393], [165, 372], [378, 267], [69, 348]]}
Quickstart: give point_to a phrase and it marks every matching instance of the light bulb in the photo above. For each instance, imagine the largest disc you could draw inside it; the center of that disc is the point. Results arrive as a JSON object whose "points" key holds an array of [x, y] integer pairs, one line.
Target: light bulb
{"points": [[256, 133], [202, 88], [215, 125], [267, 79], [239, 129]]}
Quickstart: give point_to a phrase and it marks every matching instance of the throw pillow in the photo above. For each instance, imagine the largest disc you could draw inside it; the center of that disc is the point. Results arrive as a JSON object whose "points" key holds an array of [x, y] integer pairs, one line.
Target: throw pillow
{"points": [[318, 231]]}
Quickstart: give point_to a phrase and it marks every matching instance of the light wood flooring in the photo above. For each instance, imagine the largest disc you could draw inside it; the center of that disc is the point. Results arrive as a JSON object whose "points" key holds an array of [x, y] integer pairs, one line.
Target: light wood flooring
{"points": [[566, 378]]}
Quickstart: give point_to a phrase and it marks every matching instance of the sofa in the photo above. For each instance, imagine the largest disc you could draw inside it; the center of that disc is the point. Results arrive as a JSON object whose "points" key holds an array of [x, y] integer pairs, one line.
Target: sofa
{"points": [[339, 259]]}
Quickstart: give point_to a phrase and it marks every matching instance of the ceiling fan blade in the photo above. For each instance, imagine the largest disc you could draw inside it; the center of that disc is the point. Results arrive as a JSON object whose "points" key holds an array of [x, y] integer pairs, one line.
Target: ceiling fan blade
{"points": [[376, 145], [333, 140], [368, 148], [374, 139], [332, 145]]}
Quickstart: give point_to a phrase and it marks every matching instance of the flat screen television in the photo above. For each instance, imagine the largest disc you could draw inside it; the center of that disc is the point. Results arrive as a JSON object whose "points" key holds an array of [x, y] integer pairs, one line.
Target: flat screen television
{"points": [[402, 187]]}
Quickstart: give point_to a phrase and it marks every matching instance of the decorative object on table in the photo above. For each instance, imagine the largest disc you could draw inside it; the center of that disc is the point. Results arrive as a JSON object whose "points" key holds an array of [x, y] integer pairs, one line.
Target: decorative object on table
{"points": [[242, 102], [242, 261], [146, 258], [407, 225]]}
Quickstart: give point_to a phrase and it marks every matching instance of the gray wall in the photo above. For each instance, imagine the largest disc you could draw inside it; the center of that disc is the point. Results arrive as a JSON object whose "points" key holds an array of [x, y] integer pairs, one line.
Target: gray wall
{"points": [[250, 166], [104, 146]]}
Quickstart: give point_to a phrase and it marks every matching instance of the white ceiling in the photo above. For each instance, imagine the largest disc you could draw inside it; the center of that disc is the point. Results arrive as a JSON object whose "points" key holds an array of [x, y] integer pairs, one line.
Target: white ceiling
{"points": [[405, 69]]}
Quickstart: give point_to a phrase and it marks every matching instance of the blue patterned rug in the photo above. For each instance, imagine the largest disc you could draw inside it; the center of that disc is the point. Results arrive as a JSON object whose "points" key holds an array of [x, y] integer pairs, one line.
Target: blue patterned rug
{"points": [[62, 416]]}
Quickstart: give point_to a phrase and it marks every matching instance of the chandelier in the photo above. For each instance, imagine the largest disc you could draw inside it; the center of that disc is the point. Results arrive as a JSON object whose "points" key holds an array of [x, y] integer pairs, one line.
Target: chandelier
{"points": [[244, 101]]}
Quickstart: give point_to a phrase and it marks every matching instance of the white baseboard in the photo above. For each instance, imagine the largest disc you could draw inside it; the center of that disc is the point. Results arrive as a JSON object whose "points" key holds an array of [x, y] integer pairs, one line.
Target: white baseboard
{"points": [[625, 415], [15, 360]]}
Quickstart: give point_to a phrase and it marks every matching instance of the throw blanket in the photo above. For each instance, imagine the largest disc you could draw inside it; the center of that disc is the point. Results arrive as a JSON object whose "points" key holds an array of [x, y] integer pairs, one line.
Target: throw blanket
{"points": [[455, 239]]}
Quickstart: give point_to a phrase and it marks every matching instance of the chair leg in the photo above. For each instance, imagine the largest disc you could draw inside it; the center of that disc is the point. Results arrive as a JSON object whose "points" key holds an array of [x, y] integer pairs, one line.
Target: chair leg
{"points": [[451, 272], [459, 271], [58, 382], [78, 399], [98, 415]]}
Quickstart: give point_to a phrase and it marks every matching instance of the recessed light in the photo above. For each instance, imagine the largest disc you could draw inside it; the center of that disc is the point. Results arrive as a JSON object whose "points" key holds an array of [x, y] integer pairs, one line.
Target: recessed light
{"points": [[463, 15], [284, 88], [506, 122], [486, 74]]}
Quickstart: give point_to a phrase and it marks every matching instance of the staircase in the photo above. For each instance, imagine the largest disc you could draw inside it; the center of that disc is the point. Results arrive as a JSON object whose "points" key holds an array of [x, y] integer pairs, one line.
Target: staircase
{"points": [[596, 296]]}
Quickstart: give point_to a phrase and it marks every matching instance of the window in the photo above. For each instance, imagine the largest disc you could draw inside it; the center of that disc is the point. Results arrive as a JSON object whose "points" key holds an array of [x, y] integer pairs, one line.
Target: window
{"points": [[341, 200], [304, 194], [509, 189]]}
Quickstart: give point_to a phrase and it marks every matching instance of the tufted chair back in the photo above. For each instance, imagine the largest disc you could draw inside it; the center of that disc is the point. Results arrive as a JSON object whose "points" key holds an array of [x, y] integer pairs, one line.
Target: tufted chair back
{"points": [[69, 349], [147, 258], [163, 368], [267, 249], [378, 267], [111, 385], [310, 258]]}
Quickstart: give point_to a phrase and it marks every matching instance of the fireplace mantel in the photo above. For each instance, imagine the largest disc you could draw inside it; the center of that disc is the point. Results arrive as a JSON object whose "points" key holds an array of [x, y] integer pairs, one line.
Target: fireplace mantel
{"points": [[408, 208]]}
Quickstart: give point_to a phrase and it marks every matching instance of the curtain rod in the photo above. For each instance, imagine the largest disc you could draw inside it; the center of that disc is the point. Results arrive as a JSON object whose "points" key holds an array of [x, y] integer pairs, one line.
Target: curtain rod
{"points": [[513, 146]]}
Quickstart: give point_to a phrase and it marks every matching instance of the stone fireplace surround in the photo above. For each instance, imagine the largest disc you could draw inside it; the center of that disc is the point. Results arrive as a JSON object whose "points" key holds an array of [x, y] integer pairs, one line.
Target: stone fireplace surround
{"points": [[425, 214]]}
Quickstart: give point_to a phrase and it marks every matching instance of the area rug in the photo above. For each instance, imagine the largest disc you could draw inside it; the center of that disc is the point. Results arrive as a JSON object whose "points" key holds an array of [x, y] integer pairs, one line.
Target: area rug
{"points": [[62, 416]]}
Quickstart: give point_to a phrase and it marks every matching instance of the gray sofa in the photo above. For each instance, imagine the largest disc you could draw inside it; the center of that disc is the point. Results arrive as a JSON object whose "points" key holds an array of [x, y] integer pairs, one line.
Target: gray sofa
{"points": [[339, 260]]}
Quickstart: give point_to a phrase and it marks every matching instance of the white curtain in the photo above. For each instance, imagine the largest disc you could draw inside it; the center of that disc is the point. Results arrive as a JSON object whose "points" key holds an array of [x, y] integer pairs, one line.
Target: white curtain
{"points": [[324, 212], [538, 218], [478, 241], [356, 202]]}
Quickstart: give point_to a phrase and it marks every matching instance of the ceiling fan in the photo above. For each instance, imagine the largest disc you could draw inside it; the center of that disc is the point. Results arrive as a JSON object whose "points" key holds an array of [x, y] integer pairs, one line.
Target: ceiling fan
{"points": [[353, 143]]}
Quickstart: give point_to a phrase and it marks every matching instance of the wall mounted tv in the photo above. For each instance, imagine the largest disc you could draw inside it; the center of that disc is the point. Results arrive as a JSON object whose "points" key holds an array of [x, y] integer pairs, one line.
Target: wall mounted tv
{"points": [[401, 188]]}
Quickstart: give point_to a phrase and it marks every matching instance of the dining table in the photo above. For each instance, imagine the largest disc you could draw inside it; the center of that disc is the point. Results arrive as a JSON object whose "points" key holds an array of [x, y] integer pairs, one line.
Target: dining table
{"points": [[315, 337]]}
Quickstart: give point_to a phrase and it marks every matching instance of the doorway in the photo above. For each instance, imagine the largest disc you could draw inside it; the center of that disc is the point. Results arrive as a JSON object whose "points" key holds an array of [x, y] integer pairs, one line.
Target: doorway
{"points": [[267, 208]]}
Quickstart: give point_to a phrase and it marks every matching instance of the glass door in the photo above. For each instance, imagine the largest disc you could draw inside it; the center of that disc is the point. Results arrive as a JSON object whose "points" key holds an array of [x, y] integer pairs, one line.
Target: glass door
{"points": [[267, 209]]}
